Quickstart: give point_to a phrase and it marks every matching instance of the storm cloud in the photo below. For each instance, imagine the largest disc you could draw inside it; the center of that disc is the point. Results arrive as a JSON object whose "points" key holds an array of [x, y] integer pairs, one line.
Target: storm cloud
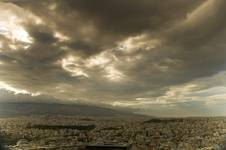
{"points": [[141, 55]]}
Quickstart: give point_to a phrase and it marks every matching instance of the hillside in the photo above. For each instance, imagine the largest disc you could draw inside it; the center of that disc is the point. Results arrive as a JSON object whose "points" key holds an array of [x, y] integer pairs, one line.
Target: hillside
{"points": [[23, 109]]}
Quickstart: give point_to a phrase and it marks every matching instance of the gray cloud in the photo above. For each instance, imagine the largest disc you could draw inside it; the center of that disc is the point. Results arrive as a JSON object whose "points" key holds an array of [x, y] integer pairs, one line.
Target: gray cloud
{"points": [[107, 51], [103, 23]]}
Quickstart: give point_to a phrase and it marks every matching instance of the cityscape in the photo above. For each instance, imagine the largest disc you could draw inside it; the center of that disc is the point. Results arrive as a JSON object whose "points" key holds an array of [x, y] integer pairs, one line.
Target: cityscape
{"points": [[77, 132]]}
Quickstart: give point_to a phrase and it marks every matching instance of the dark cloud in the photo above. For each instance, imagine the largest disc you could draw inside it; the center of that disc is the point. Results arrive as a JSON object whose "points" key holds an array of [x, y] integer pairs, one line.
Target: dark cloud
{"points": [[194, 47], [103, 23], [104, 51], [41, 35], [83, 47], [130, 17]]}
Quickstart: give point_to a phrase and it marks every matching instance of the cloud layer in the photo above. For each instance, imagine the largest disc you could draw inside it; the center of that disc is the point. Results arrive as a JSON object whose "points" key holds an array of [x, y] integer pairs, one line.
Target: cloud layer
{"points": [[149, 56]]}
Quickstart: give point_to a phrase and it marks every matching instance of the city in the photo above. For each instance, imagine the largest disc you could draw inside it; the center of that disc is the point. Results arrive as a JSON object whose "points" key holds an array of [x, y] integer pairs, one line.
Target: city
{"points": [[68, 132]]}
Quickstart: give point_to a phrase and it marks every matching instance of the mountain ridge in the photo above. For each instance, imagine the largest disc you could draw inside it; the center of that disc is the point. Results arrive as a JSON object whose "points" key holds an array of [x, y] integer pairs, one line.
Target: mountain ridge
{"points": [[30, 108]]}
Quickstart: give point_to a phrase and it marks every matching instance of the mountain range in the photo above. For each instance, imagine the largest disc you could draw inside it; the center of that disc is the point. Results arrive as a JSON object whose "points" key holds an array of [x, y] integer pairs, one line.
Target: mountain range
{"points": [[12, 109]]}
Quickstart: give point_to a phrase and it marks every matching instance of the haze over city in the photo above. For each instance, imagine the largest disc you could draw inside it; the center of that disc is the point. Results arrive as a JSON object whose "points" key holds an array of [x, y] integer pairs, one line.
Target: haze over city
{"points": [[158, 58]]}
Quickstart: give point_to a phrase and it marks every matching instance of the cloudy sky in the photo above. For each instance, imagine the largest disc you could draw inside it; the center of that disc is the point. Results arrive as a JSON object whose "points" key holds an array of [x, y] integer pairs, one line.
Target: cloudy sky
{"points": [[157, 57]]}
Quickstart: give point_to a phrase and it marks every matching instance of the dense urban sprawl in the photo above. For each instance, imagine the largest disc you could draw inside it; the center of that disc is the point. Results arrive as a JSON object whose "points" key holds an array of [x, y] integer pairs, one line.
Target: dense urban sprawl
{"points": [[63, 132]]}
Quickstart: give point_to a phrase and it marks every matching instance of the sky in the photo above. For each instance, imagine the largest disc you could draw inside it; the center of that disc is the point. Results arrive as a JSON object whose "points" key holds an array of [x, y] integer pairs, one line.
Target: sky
{"points": [[154, 57]]}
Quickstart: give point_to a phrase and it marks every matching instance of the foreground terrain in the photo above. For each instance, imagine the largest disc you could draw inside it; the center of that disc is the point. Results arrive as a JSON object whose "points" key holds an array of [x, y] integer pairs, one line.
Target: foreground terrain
{"points": [[70, 132]]}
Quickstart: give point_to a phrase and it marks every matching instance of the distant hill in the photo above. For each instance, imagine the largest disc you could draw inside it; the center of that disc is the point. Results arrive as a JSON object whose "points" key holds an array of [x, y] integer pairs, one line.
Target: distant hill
{"points": [[22, 109]]}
